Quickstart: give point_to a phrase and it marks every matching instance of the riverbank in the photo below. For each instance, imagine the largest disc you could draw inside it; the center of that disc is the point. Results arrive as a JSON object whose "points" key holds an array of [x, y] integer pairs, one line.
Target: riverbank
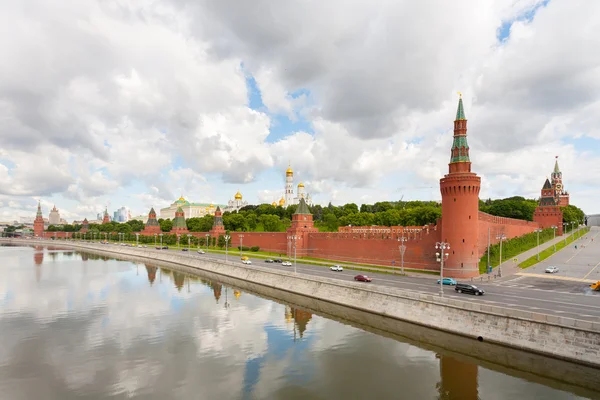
{"points": [[563, 338]]}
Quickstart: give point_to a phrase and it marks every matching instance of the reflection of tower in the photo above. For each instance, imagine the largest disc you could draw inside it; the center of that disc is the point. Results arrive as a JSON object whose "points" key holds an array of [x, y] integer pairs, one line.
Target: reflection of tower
{"points": [[288, 314], [38, 256], [458, 379], [216, 287], [301, 317], [179, 279], [236, 294], [151, 273]]}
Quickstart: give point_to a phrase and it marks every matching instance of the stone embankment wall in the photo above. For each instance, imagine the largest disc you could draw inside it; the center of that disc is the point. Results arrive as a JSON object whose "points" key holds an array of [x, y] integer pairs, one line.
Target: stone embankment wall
{"points": [[560, 337]]}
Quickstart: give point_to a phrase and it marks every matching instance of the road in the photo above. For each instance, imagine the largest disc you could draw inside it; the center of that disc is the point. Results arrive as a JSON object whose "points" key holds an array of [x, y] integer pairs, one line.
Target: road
{"points": [[578, 302]]}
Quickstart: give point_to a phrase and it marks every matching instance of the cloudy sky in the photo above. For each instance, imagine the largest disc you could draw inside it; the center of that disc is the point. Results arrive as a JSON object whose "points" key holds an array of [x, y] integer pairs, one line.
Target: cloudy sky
{"points": [[134, 103]]}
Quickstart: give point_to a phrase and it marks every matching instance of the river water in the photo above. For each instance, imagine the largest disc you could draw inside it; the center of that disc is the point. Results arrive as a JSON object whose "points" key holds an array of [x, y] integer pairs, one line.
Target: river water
{"points": [[76, 325]]}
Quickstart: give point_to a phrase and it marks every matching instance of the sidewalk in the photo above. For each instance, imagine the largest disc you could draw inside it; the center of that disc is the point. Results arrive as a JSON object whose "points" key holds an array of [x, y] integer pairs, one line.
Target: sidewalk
{"points": [[510, 267]]}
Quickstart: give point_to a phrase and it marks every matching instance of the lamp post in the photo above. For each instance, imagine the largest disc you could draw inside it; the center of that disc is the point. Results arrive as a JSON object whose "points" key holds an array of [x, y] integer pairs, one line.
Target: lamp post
{"points": [[500, 237], [442, 246], [207, 237], [554, 227], [241, 244], [178, 240], [155, 236], [538, 243], [565, 231], [227, 237], [161, 235], [189, 241], [573, 229], [402, 248], [293, 238], [137, 239]]}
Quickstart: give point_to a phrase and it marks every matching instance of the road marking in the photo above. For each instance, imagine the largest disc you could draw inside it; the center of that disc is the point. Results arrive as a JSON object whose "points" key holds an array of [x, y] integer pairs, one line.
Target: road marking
{"points": [[588, 274], [558, 277]]}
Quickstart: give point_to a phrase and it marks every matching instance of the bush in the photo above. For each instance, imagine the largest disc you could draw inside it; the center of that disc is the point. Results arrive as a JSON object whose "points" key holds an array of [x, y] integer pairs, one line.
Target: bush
{"points": [[254, 248], [244, 248]]}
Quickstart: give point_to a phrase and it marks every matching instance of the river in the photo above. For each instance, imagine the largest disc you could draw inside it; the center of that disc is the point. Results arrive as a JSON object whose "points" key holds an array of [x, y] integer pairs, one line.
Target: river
{"points": [[77, 325]]}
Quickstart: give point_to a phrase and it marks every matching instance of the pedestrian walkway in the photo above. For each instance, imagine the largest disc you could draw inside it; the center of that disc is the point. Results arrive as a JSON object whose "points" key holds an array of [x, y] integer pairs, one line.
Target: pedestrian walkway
{"points": [[511, 266]]}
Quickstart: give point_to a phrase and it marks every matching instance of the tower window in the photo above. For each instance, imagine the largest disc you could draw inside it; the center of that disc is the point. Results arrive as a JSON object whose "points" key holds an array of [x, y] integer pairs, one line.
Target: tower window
{"points": [[452, 251], [463, 240], [469, 217], [455, 199], [461, 265]]}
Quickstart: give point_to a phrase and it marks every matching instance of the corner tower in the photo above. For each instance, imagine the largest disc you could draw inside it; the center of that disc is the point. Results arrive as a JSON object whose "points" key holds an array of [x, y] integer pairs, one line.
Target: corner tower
{"points": [[460, 205]]}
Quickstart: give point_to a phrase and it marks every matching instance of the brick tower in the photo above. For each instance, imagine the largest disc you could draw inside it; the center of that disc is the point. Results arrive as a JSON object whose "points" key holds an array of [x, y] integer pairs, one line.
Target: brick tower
{"points": [[302, 225], [106, 218], [38, 223], [561, 195], [548, 212], [179, 224], [460, 205], [85, 226], [152, 225], [218, 228]]}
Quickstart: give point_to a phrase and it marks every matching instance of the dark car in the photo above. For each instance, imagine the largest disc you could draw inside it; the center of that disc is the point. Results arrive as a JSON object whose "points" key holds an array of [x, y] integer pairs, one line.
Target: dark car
{"points": [[278, 260], [362, 278], [269, 261], [184, 249], [165, 247], [467, 288]]}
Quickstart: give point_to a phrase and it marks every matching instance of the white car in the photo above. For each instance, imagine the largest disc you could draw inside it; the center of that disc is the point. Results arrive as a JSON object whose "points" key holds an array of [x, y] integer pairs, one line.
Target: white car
{"points": [[551, 269], [337, 268], [286, 264], [246, 262], [201, 252]]}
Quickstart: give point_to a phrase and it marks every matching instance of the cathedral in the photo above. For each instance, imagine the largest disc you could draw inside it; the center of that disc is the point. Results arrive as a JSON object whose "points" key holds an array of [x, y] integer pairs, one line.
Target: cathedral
{"points": [[236, 204], [288, 198]]}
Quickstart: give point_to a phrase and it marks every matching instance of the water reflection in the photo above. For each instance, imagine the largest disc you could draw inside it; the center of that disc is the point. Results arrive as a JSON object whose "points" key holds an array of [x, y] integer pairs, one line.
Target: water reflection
{"points": [[111, 333]]}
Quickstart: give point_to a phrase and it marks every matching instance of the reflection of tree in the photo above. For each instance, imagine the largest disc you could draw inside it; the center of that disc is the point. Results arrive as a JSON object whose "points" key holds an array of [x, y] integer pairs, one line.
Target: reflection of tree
{"points": [[458, 379], [151, 273]]}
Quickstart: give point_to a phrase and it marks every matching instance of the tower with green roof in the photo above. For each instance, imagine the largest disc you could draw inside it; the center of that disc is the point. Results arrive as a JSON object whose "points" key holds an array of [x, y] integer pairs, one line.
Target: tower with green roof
{"points": [[152, 226], [179, 224], [302, 226]]}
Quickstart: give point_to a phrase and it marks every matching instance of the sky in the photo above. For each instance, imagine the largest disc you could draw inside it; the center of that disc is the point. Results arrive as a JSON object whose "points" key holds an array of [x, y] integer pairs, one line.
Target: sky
{"points": [[136, 103]]}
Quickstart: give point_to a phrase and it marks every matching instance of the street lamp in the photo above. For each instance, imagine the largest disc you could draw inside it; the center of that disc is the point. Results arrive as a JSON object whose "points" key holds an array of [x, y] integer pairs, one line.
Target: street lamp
{"points": [[189, 239], [442, 246], [538, 243], [207, 237], [161, 235], [554, 227], [227, 237], [565, 224], [155, 236], [137, 239], [294, 238], [241, 244], [402, 248], [500, 237]]}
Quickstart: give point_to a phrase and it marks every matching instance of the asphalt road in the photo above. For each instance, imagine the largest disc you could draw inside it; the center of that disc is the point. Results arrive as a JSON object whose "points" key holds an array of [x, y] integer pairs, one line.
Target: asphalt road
{"points": [[578, 301]]}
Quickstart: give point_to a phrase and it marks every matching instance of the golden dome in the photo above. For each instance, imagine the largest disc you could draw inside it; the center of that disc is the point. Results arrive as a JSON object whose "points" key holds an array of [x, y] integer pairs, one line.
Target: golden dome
{"points": [[238, 195], [289, 171], [212, 205], [282, 202], [274, 204], [301, 185], [181, 199]]}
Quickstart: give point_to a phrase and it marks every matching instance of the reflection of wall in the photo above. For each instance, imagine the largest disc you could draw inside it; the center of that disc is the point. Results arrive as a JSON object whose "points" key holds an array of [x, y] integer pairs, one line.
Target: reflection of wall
{"points": [[458, 379]]}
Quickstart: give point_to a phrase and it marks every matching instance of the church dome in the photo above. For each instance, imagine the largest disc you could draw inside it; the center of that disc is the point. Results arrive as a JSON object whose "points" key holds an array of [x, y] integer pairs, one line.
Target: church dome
{"points": [[274, 204], [301, 185], [282, 202], [238, 195], [289, 171]]}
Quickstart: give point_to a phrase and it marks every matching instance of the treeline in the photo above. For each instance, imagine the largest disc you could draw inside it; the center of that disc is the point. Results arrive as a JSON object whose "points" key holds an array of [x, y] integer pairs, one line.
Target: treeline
{"points": [[520, 208], [268, 218]]}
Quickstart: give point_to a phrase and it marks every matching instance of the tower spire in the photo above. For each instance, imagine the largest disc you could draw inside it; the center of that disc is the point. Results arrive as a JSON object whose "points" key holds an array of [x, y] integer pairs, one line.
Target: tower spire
{"points": [[556, 169], [459, 154]]}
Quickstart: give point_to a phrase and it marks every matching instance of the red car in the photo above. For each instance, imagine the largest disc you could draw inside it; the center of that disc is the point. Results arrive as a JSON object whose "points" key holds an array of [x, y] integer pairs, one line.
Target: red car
{"points": [[362, 278]]}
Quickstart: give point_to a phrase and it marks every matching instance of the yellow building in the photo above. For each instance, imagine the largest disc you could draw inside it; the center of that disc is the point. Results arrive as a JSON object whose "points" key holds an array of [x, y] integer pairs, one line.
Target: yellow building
{"points": [[190, 210]]}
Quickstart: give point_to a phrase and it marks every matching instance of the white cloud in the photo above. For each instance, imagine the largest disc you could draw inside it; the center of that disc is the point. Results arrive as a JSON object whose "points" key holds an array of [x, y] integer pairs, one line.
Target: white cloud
{"points": [[102, 102]]}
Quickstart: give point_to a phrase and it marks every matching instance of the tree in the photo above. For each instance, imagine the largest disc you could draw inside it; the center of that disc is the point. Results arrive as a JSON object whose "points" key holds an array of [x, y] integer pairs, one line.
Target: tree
{"points": [[234, 222], [221, 241], [331, 223], [270, 223], [136, 225], [166, 225]]}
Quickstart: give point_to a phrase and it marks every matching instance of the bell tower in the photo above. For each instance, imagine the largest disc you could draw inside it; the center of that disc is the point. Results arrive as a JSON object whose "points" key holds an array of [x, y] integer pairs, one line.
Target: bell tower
{"points": [[38, 223], [460, 205]]}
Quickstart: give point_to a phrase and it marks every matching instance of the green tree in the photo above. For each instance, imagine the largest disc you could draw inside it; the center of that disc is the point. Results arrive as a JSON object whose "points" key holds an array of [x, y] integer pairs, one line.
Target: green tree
{"points": [[166, 225], [270, 223], [221, 241]]}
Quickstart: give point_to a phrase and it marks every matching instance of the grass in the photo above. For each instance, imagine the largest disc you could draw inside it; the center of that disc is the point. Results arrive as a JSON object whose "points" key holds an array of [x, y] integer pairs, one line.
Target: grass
{"points": [[550, 250]]}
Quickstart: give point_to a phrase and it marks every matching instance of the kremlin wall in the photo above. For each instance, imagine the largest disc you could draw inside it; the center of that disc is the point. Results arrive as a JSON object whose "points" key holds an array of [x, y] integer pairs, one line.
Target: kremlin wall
{"points": [[462, 226]]}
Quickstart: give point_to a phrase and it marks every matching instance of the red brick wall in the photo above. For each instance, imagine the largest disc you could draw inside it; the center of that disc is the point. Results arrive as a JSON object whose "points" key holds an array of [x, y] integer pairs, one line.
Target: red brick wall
{"points": [[510, 227], [419, 254], [275, 242]]}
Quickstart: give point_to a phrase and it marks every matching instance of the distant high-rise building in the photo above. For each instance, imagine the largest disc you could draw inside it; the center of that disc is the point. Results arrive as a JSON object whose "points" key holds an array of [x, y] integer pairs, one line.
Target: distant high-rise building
{"points": [[122, 215], [54, 217]]}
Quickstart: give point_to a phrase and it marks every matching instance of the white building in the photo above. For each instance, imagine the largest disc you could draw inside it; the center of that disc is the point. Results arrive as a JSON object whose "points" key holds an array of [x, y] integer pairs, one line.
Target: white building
{"points": [[288, 197], [236, 204], [190, 210], [54, 217]]}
